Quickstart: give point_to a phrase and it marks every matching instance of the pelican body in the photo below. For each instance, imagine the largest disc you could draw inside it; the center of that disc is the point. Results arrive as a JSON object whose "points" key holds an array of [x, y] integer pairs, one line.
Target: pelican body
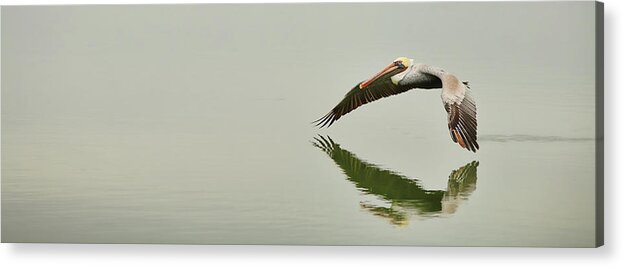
{"points": [[403, 75]]}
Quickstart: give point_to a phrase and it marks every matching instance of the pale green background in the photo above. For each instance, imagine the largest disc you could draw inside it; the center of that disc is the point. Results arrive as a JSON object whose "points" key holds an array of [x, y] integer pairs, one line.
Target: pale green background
{"points": [[191, 123]]}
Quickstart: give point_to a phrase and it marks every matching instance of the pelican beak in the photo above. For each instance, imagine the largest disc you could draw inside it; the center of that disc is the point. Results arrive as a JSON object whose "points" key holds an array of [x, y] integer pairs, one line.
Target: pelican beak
{"points": [[391, 67]]}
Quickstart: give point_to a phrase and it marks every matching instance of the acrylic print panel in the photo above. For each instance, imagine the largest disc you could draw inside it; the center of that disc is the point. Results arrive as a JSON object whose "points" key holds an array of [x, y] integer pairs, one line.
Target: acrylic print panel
{"points": [[191, 124]]}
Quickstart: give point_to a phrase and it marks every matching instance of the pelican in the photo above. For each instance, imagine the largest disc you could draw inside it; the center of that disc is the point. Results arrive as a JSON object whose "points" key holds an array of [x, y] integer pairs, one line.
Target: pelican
{"points": [[403, 75]]}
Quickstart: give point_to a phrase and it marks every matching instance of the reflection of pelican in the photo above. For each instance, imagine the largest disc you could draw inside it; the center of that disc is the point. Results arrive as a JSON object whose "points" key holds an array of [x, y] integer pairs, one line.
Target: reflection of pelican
{"points": [[403, 75], [403, 194]]}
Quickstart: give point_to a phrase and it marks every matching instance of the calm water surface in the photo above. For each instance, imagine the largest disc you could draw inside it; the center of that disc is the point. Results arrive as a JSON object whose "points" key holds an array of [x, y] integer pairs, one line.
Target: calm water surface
{"points": [[191, 124]]}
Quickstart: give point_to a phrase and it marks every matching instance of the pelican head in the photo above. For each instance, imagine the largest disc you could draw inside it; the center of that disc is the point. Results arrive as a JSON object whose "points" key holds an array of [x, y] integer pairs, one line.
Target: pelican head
{"points": [[396, 67], [405, 61]]}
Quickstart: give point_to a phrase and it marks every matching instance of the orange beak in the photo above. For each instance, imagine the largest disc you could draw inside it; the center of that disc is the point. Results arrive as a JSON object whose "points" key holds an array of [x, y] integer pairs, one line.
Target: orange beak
{"points": [[386, 70]]}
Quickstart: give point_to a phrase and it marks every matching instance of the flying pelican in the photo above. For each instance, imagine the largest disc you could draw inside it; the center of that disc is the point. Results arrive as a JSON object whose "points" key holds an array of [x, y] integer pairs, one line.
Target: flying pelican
{"points": [[403, 75]]}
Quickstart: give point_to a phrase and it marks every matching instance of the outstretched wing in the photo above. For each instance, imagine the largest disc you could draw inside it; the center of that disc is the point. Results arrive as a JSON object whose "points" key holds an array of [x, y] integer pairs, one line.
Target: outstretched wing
{"points": [[357, 97], [462, 122], [460, 106]]}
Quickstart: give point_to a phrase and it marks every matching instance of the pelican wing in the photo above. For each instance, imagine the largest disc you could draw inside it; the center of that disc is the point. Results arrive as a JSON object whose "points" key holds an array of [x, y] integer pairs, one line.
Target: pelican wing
{"points": [[357, 97], [459, 104], [462, 123]]}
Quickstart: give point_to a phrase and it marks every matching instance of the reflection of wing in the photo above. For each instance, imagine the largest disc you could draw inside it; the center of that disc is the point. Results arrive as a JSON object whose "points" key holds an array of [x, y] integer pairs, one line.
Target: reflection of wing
{"points": [[403, 193], [384, 183], [461, 184]]}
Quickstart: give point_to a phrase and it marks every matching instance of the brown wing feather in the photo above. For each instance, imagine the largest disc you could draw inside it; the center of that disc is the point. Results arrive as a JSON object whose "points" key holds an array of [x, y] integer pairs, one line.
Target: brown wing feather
{"points": [[357, 97], [462, 122]]}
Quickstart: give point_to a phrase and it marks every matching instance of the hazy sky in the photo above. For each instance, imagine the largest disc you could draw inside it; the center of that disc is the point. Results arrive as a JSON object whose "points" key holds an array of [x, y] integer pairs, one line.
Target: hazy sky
{"points": [[170, 62]]}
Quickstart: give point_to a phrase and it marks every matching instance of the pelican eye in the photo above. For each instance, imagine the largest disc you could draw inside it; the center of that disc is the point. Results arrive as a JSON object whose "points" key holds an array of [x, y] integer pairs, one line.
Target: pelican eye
{"points": [[399, 64]]}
